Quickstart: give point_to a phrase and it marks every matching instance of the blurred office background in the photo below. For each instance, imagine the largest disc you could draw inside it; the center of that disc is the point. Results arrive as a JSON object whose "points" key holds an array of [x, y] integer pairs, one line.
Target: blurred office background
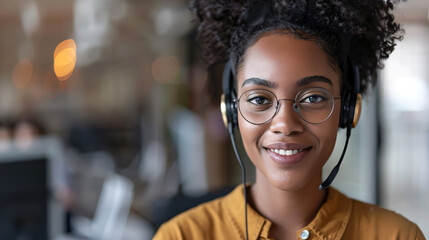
{"points": [[109, 124]]}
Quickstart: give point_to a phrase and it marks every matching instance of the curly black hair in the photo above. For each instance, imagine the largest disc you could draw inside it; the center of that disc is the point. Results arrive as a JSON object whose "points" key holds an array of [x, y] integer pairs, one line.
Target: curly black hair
{"points": [[360, 31]]}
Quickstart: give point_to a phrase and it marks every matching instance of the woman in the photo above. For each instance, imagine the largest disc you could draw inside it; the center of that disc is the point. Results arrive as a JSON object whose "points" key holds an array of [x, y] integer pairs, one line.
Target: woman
{"points": [[298, 68]]}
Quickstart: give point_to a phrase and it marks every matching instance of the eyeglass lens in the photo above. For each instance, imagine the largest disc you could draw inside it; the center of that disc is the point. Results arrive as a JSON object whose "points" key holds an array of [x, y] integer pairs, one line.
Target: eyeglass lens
{"points": [[313, 105]]}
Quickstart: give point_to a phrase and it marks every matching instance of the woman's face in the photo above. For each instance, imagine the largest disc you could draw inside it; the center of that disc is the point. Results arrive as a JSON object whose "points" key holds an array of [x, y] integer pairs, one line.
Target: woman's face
{"points": [[286, 65]]}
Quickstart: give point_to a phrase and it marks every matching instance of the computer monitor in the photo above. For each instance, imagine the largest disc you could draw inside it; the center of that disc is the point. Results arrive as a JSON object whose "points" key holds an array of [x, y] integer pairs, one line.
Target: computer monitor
{"points": [[24, 199], [28, 208]]}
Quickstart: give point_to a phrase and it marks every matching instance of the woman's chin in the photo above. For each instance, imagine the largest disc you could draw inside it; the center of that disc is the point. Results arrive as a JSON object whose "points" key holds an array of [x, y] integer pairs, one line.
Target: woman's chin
{"points": [[288, 181]]}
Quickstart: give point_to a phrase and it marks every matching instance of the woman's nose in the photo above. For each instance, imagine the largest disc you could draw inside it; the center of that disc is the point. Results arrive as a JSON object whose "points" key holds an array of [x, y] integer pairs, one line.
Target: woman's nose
{"points": [[286, 121]]}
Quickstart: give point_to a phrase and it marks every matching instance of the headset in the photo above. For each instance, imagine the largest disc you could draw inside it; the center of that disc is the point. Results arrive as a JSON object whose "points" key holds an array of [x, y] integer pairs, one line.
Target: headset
{"points": [[351, 106]]}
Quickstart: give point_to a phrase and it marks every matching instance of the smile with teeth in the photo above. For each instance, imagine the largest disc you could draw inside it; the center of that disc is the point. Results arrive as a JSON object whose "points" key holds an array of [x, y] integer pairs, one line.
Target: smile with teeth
{"points": [[285, 152]]}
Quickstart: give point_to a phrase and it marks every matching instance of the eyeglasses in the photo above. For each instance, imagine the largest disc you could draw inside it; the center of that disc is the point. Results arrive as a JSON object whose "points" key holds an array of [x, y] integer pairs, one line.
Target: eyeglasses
{"points": [[313, 105]]}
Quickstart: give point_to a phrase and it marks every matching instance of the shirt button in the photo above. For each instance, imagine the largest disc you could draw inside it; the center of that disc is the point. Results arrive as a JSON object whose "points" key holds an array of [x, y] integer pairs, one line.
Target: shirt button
{"points": [[305, 234]]}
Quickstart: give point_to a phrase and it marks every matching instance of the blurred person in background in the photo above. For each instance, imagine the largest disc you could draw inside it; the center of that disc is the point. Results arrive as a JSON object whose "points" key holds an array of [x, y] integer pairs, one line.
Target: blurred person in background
{"points": [[30, 132], [297, 72], [26, 131]]}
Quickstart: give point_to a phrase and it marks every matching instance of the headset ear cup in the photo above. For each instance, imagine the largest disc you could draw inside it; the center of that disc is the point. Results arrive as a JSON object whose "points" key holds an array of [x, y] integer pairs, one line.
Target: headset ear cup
{"points": [[229, 111], [351, 109], [351, 101], [227, 104]]}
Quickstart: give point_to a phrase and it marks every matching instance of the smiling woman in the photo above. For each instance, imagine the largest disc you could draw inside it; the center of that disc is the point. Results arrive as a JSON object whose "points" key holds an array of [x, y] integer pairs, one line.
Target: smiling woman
{"points": [[291, 66], [294, 74]]}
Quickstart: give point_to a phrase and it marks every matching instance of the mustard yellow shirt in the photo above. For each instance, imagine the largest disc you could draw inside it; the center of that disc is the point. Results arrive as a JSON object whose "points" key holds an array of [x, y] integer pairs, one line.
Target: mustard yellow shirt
{"points": [[338, 218]]}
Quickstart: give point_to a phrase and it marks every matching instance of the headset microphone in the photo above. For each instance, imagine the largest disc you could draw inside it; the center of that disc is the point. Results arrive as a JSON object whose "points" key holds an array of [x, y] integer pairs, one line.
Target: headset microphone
{"points": [[336, 169]]}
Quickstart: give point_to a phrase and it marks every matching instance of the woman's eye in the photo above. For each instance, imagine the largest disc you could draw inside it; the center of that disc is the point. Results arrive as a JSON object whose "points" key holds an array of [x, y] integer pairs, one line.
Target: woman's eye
{"points": [[259, 100], [313, 99]]}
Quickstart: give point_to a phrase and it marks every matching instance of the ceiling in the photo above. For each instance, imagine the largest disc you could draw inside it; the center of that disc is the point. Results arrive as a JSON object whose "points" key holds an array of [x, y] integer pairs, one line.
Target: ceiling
{"points": [[410, 9], [56, 24]]}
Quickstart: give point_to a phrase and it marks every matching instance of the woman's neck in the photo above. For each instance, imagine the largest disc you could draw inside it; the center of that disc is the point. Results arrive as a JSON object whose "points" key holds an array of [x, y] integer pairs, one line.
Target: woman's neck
{"points": [[287, 210]]}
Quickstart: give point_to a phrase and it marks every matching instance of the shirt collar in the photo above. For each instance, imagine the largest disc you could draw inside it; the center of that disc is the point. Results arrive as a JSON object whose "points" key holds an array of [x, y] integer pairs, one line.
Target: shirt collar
{"points": [[258, 226], [332, 218], [330, 221]]}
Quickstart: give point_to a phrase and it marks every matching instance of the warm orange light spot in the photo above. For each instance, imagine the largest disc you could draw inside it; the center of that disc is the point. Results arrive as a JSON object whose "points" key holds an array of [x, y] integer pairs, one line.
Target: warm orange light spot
{"points": [[22, 73], [165, 69], [65, 59]]}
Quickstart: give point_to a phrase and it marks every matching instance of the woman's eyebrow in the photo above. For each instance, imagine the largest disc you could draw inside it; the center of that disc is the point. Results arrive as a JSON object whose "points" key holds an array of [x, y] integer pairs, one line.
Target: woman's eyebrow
{"points": [[259, 81], [311, 79]]}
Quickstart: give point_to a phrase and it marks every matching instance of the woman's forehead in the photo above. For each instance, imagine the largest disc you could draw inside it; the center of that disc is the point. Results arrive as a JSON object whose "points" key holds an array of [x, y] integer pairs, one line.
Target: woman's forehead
{"points": [[277, 56]]}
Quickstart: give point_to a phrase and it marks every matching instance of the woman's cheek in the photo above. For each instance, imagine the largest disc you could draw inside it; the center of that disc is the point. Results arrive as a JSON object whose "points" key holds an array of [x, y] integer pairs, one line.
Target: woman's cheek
{"points": [[328, 135], [250, 135]]}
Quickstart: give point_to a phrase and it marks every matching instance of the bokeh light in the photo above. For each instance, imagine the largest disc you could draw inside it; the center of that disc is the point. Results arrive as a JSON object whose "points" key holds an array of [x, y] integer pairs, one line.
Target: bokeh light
{"points": [[65, 59], [22, 73], [165, 69]]}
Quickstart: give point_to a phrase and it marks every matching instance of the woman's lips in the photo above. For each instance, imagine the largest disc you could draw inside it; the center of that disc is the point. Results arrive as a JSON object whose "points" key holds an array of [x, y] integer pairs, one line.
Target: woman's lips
{"points": [[286, 154]]}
